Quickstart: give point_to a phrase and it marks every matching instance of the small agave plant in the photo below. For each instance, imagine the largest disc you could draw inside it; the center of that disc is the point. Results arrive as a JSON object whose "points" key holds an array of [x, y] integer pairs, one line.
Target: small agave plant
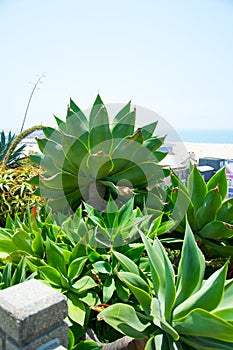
{"points": [[210, 213], [93, 160], [175, 312]]}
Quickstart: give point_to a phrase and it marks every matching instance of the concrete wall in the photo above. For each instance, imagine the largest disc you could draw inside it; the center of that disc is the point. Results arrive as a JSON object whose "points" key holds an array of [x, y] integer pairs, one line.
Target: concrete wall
{"points": [[32, 317]]}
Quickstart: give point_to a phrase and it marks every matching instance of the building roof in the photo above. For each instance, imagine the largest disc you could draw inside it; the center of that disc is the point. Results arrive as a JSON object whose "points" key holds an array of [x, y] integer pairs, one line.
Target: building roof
{"points": [[204, 168]]}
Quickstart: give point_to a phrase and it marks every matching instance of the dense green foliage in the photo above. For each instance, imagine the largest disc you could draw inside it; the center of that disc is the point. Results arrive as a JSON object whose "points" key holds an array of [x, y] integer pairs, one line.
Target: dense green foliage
{"points": [[210, 213], [182, 312], [139, 265], [16, 194]]}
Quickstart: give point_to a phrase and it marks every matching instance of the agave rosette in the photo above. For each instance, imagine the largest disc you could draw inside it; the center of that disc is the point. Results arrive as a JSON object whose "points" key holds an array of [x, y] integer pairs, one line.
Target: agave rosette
{"points": [[92, 160]]}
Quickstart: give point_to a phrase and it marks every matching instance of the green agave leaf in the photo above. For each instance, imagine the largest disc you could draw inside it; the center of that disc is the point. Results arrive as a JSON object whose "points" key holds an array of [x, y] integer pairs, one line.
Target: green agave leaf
{"points": [[21, 239], [219, 180], [124, 319], [154, 143], [50, 274], [162, 276], [100, 138], [76, 310], [225, 314], [208, 297], [148, 130], [126, 213], [153, 344], [76, 125], [201, 323], [36, 158], [217, 230], [214, 250], [127, 263], [135, 251], [6, 275], [124, 126], [139, 288], [99, 165], [60, 123], [62, 180], [84, 284], [207, 212], [75, 150], [93, 118], [137, 174], [122, 292], [76, 267], [55, 256], [19, 273], [160, 322], [197, 188], [56, 154], [225, 308], [125, 110], [159, 156], [225, 212], [78, 111], [191, 268], [102, 267], [108, 288], [37, 244], [205, 343], [227, 300], [87, 345], [52, 134], [7, 246]]}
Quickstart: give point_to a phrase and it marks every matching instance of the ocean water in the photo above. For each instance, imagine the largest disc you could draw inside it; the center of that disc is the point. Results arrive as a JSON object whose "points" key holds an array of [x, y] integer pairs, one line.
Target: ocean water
{"points": [[206, 136]]}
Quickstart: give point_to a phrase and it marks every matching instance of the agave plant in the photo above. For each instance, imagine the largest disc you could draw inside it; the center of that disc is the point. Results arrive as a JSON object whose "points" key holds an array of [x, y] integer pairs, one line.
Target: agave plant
{"points": [[176, 312], [210, 213], [92, 160], [15, 156]]}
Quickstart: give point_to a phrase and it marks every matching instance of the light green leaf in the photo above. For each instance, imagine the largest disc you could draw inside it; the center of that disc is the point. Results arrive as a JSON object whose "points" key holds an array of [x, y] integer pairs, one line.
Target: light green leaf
{"points": [[191, 268], [139, 288], [126, 263], [207, 298], [197, 188], [124, 319], [50, 274], [160, 322], [108, 288], [201, 323], [76, 267], [217, 230], [55, 257], [207, 212], [84, 284], [204, 343], [219, 180], [76, 311], [102, 267], [163, 276]]}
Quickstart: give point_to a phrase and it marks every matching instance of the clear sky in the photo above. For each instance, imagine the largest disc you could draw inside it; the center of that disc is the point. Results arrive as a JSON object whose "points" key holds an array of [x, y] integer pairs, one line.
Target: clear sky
{"points": [[172, 56]]}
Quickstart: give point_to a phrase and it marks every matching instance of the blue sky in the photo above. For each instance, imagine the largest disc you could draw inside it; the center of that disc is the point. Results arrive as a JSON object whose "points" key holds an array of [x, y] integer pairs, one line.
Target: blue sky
{"points": [[174, 57]]}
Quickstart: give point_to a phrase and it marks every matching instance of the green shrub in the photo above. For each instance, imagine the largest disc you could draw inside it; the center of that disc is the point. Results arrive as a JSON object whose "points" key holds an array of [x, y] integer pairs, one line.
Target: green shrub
{"points": [[16, 194], [176, 312], [210, 213]]}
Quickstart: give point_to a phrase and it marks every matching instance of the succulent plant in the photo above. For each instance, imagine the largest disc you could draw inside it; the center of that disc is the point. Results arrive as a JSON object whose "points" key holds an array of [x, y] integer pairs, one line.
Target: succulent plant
{"points": [[175, 312], [210, 213], [92, 160]]}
